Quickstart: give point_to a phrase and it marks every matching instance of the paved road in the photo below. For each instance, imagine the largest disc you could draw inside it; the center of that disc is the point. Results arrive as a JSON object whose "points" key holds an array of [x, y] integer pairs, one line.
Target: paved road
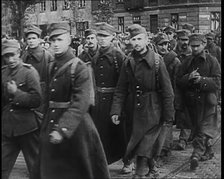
{"points": [[208, 169]]}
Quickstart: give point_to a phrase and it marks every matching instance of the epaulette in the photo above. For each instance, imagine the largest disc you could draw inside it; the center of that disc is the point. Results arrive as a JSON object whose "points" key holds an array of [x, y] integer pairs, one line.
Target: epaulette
{"points": [[27, 65]]}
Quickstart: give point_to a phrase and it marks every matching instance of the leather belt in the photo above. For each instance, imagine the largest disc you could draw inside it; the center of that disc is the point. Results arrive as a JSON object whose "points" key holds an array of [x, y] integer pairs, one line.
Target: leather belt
{"points": [[105, 90], [53, 104]]}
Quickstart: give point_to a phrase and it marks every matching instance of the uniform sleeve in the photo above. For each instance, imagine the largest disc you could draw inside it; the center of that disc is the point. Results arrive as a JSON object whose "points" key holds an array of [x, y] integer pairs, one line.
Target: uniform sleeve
{"points": [[31, 98], [213, 82], [120, 92], [167, 94], [80, 101]]}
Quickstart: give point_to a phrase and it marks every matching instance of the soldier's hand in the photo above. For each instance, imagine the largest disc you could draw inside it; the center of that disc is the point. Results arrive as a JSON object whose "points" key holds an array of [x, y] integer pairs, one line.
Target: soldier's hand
{"points": [[55, 137], [194, 74], [11, 87], [115, 119], [197, 79]]}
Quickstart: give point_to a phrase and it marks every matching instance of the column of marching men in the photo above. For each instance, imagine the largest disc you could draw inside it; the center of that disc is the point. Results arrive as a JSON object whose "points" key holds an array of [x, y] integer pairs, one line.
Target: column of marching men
{"points": [[73, 106]]}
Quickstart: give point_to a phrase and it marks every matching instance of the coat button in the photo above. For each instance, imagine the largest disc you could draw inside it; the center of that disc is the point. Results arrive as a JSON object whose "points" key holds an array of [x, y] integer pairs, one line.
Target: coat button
{"points": [[199, 97], [52, 90], [101, 59], [102, 83], [10, 99], [64, 129], [55, 79], [137, 87], [17, 104], [51, 121], [53, 110], [104, 98], [101, 66], [11, 110], [101, 74], [138, 104], [137, 95]]}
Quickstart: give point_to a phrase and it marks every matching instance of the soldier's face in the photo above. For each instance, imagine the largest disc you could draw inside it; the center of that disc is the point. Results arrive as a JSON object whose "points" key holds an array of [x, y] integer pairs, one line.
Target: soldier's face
{"points": [[60, 43], [183, 43], [33, 40], [12, 59], [139, 42], [91, 41], [170, 35], [197, 48], [162, 48], [104, 41]]}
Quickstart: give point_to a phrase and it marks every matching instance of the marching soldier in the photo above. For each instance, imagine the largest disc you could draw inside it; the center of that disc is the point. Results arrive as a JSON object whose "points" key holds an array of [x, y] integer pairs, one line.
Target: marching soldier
{"points": [[182, 119], [170, 32], [139, 78], [37, 56], [21, 92], [172, 65], [211, 47], [106, 68], [70, 144], [199, 78]]}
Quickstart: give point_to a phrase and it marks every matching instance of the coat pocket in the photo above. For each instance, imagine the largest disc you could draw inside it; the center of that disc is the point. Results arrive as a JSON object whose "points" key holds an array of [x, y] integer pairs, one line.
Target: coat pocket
{"points": [[212, 99]]}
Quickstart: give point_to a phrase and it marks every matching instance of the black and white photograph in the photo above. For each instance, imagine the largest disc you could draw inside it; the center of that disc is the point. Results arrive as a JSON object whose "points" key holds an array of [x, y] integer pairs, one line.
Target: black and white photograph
{"points": [[111, 89]]}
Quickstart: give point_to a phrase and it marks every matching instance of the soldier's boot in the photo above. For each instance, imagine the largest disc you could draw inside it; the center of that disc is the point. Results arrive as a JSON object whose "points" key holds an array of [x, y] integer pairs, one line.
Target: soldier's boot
{"points": [[153, 170], [181, 145], [209, 154], [142, 167], [194, 163]]}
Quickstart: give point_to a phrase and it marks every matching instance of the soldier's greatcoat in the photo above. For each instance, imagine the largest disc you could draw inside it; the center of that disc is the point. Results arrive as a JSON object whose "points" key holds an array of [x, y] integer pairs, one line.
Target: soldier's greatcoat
{"points": [[201, 99], [80, 154], [106, 66], [150, 107]]}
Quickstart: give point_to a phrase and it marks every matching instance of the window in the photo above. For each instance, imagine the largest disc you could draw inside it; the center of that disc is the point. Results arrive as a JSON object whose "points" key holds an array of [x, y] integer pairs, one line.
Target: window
{"points": [[137, 20], [174, 20], [66, 5], [81, 27], [215, 21], [153, 2], [82, 3], [121, 24], [43, 6], [153, 23], [53, 5]]}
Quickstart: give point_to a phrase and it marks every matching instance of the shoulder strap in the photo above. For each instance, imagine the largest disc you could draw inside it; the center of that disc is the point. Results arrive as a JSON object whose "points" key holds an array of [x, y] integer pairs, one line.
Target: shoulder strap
{"points": [[157, 70], [73, 67]]}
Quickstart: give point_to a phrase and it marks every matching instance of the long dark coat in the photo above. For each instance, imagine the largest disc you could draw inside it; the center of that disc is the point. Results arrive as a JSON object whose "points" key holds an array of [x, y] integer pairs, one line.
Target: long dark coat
{"points": [[106, 66], [148, 111], [80, 155], [201, 99]]}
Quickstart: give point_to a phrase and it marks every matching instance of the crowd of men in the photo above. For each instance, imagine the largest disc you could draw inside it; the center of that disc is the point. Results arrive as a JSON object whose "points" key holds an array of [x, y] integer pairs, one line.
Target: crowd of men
{"points": [[75, 107]]}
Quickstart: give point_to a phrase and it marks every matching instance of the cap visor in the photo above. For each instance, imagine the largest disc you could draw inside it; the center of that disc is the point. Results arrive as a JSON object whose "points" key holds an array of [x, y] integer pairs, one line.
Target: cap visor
{"points": [[162, 41], [57, 32], [103, 32], [196, 42]]}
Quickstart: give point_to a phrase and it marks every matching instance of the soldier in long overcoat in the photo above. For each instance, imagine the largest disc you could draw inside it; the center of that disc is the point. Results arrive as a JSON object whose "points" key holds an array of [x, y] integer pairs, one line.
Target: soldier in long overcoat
{"points": [[106, 66], [172, 65], [21, 92], [151, 107], [182, 118], [199, 78], [70, 144], [37, 56]]}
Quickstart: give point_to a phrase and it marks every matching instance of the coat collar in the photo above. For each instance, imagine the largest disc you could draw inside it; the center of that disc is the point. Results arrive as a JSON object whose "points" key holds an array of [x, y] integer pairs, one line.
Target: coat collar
{"points": [[37, 53], [107, 53]]}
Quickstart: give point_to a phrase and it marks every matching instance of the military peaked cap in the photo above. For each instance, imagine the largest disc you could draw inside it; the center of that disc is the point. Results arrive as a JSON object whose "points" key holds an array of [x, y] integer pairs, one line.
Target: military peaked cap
{"points": [[197, 39], [189, 27], [89, 32], [183, 34], [32, 29], [104, 28], [136, 29], [10, 46], [210, 35], [160, 38], [58, 29], [169, 29]]}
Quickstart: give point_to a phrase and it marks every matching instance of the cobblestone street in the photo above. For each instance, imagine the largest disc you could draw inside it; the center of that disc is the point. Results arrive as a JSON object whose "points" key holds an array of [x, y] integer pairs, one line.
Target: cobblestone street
{"points": [[208, 169]]}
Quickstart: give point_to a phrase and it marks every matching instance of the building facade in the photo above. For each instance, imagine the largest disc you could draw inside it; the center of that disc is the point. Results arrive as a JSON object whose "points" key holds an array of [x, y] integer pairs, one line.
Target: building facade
{"points": [[76, 13], [205, 15]]}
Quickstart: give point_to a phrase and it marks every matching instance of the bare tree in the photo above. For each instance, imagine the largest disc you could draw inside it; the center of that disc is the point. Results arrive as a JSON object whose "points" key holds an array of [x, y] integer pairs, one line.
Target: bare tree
{"points": [[18, 9]]}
